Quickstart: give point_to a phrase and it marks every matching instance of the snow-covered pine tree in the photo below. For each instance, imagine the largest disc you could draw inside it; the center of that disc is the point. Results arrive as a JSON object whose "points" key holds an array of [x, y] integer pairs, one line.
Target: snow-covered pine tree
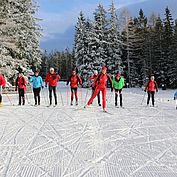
{"points": [[81, 49], [129, 56], [24, 33], [114, 43]]}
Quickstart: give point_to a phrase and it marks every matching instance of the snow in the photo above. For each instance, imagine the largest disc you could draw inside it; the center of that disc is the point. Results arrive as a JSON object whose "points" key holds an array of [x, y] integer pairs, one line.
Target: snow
{"points": [[66, 141]]}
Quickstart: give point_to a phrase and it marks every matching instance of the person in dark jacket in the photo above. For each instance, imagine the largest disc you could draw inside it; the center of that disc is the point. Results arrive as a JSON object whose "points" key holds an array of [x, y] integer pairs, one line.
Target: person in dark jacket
{"points": [[2, 85], [151, 87], [52, 79], [74, 80]]}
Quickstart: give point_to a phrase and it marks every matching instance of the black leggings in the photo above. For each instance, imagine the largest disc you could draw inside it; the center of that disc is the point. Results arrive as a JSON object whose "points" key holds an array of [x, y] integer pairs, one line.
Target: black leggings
{"points": [[21, 93], [0, 98], [52, 88], [116, 96], [36, 92], [74, 92], [150, 94]]}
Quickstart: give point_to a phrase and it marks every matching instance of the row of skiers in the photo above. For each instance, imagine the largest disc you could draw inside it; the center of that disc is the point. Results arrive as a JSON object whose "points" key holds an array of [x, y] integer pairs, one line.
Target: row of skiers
{"points": [[99, 85]]}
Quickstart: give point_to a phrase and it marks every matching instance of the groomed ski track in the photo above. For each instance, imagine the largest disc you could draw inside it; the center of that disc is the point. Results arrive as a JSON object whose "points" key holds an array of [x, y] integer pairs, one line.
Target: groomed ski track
{"points": [[66, 141]]}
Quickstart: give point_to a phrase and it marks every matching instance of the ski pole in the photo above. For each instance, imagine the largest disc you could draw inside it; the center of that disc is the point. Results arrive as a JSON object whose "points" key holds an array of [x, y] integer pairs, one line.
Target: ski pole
{"points": [[143, 98], [86, 95], [67, 95], [27, 98], [61, 98], [9, 99], [44, 96]]}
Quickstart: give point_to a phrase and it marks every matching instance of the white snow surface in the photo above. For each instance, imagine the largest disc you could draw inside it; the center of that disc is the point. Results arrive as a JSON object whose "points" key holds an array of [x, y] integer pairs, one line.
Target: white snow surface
{"points": [[66, 141]]}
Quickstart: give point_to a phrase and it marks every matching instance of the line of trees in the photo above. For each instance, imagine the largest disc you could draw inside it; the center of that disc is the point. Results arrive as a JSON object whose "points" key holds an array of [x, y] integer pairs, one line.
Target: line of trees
{"points": [[142, 47]]}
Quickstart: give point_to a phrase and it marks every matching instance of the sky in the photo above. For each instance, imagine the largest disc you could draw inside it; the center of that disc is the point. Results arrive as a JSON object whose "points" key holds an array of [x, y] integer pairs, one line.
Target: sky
{"points": [[59, 15]]}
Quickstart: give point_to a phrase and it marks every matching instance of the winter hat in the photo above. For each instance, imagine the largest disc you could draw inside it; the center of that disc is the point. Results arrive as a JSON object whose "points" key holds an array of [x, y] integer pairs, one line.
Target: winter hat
{"points": [[104, 68], [95, 72], [118, 75], [51, 69]]}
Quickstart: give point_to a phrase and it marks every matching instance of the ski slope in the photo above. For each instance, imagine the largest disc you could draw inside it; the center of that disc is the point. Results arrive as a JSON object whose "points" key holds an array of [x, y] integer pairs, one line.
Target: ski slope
{"points": [[66, 141]]}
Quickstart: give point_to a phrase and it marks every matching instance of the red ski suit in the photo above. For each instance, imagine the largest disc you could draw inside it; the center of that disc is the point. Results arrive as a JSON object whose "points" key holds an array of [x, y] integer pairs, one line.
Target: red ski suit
{"points": [[101, 83], [151, 86], [52, 79], [94, 78], [2, 81], [74, 80], [21, 83]]}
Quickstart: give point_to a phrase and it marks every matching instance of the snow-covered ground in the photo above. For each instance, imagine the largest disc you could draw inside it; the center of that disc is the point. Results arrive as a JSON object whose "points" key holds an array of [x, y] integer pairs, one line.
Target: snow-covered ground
{"points": [[66, 141]]}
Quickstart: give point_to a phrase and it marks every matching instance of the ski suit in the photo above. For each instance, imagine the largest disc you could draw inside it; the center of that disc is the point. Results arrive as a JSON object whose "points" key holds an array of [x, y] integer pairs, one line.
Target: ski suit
{"points": [[94, 78], [37, 84], [101, 83], [151, 87], [51, 80], [175, 98], [74, 80], [2, 84], [118, 86]]}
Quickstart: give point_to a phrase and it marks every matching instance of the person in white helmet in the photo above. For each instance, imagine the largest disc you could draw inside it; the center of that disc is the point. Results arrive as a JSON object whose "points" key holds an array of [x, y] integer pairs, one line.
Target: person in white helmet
{"points": [[94, 78]]}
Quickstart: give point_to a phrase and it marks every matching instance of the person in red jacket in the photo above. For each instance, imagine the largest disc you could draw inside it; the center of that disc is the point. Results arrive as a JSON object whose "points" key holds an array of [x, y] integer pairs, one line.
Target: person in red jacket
{"points": [[52, 79], [20, 84], [74, 79], [2, 85], [94, 78], [101, 83], [151, 87]]}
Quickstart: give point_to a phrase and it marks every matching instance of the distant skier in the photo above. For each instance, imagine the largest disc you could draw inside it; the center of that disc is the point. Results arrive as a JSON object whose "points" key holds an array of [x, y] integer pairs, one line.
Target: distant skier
{"points": [[101, 83], [51, 79], [74, 80], [175, 98], [94, 78], [20, 85], [37, 83], [2, 86], [151, 87], [118, 84]]}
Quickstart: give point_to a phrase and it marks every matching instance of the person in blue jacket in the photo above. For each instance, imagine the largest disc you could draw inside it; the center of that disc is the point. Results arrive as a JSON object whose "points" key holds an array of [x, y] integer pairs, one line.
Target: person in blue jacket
{"points": [[175, 98], [37, 84]]}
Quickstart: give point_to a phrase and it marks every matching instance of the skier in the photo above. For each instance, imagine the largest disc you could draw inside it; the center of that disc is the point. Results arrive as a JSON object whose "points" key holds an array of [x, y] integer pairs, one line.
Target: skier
{"points": [[74, 79], [151, 87], [20, 84], [94, 78], [2, 86], [118, 84], [175, 98], [51, 79], [101, 83], [37, 83]]}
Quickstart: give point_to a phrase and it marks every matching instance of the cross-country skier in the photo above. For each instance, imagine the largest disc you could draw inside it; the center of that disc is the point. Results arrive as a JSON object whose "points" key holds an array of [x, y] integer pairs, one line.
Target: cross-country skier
{"points": [[2, 86], [175, 98], [20, 84], [118, 84], [74, 79], [94, 78], [151, 87], [101, 83], [37, 84], [51, 79]]}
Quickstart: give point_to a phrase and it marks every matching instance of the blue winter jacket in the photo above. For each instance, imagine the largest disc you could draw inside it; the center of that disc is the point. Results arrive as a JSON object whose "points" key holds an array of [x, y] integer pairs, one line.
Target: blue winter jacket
{"points": [[36, 81]]}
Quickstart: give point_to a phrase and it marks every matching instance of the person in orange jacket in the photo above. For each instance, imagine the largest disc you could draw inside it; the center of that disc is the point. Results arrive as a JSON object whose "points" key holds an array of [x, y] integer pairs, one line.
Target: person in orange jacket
{"points": [[94, 78], [51, 80], [20, 85], [151, 87], [2, 85], [101, 83], [74, 79]]}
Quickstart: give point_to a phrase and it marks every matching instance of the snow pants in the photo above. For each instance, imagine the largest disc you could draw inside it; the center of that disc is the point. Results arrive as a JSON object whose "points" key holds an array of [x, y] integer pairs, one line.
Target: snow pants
{"points": [[52, 88], [98, 96], [120, 96], [150, 95], [0, 94], [36, 92], [74, 92], [97, 90]]}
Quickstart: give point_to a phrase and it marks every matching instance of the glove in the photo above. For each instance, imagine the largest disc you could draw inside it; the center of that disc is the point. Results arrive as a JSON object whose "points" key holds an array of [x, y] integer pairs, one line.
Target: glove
{"points": [[174, 97], [16, 89], [111, 89], [144, 90], [3, 87], [156, 90], [45, 85], [66, 83], [42, 86]]}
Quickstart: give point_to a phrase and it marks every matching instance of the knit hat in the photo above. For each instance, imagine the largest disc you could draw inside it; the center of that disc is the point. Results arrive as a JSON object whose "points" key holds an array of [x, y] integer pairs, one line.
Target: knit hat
{"points": [[104, 68], [118, 75]]}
